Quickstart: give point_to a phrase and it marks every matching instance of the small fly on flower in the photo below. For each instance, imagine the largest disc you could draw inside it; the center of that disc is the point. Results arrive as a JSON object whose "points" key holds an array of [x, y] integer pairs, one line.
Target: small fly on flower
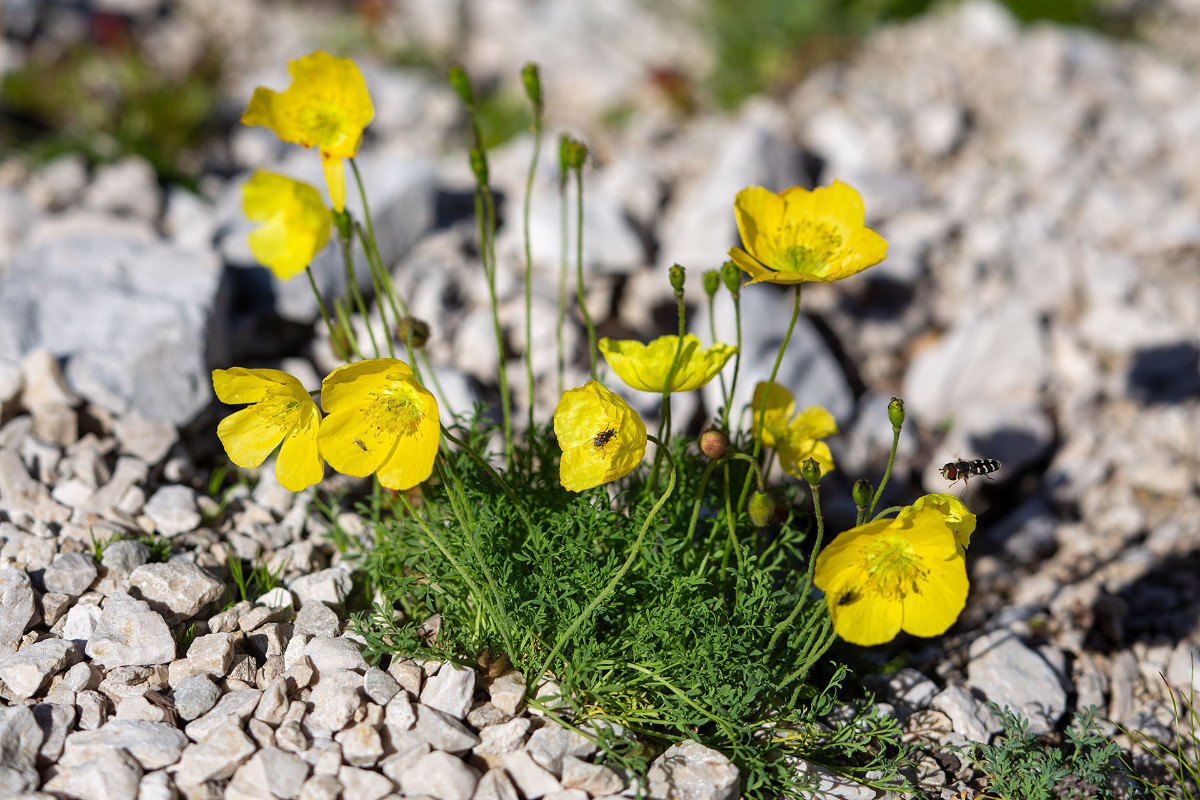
{"points": [[962, 470], [360, 444], [604, 437]]}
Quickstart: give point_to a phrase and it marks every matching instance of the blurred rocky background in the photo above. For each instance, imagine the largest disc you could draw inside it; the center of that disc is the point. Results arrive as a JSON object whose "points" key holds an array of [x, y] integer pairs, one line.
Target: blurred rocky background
{"points": [[1034, 168]]}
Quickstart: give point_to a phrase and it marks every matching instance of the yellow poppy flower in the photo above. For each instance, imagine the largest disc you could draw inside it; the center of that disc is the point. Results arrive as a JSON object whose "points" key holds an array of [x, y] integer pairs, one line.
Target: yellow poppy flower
{"points": [[379, 419], [601, 437], [960, 521], [281, 410], [295, 222], [646, 366], [892, 575], [794, 437], [326, 106], [798, 236]]}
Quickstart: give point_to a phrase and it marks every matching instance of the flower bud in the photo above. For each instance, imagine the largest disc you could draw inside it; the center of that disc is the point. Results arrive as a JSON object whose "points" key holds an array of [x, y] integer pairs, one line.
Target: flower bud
{"points": [[862, 492], [575, 153], [677, 276], [811, 471], [564, 159], [714, 443], [732, 277], [896, 413], [344, 224], [461, 83], [411, 330], [712, 282], [533, 83], [479, 166], [762, 508]]}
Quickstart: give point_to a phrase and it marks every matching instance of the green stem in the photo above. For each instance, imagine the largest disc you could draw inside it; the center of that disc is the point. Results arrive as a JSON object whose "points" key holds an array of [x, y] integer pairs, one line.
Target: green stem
{"points": [[611, 586], [518, 506], [802, 595], [583, 309], [888, 510], [887, 473], [352, 278], [564, 215], [537, 149], [664, 415], [485, 214], [333, 337], [695, 518], [737, 358], [762, 415]]}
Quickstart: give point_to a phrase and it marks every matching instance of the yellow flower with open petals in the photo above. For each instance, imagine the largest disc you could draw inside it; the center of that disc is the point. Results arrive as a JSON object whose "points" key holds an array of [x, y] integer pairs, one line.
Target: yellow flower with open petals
{"points": [[601, 437], [326, 106], [646, 366], [281, 410], [892, 575], [794, 437], [295, 222], [960, 521], [798, 236], [379, 419]]}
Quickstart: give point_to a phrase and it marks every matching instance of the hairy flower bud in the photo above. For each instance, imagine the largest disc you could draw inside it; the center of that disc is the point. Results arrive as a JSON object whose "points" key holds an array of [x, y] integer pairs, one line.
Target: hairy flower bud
{"points": [[896, 413], [411, 330], [714, 443], [573, 153], [810, 470], [344, 224], [533, 83], [862, 492], [712, 282], [677, 276], [732, 276], [762, 508]]}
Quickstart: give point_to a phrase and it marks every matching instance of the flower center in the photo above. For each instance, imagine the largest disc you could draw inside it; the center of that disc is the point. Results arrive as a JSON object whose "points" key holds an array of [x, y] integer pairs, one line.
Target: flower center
{"points": [[811, 244], [323, 123], [893, 568], [395, 412], [280, 410]]}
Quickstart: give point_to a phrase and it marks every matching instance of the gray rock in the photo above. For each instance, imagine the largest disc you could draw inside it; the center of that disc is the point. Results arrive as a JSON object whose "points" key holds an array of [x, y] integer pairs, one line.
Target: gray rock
{"points": [[440, 775], [911, 688], [532, 780], [595, 779], [195, 696], [691, 771], [176, 589], [70, 574], [22, 495], [112, 775], [450, 690], [216, 757], [322, 787], [56, 721], [361, 745], [130, 315], [149, 440], [507, 692], [233, 709], [1009, 674], [59, 182], [271, 770], [173, 510], [363, 784], [969, 717], [122, 557], [156, 786], [496, 740], [443, 732], [316, 619], [153, 745], [20, 739], [550, 743], [30, 669], [495, 785], [128, 186], [399, 715], [379, 686], [130, 634], [330, 586], [17, 607], [334, 653]]}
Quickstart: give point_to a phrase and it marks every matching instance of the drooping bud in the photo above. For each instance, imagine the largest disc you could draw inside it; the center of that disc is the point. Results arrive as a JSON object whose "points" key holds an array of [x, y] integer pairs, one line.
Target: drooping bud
{"points": [[761, 508], [479, 166], [677, 275], [533, 83], [461, 83], [411, 330], [712, 282], [732, 276], [811, 471], [896, 413], [714, 443], [861, 493]]}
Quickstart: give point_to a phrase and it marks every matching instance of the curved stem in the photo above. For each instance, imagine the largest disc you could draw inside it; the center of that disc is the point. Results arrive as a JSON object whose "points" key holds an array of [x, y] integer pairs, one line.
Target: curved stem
{"points": [[611, 586], [583, 309], [496, 476], [333, 337], [814, 489], [887, 473], [737, 358]]}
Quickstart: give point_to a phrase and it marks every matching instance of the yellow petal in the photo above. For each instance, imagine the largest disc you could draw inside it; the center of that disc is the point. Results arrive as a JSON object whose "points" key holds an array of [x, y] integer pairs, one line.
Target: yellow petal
{"points": [[241, 385], [249, 437], [353, 385], [299, 464], [335, 179], [813, 422], [760, 214], [646, 366], [412, 459], [295, 222], [350, 447], [601, 437]]}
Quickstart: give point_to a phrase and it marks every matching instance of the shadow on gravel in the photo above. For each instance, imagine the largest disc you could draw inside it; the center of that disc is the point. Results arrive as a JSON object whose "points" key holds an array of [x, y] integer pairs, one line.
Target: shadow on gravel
{"points": [[1165, 374], [1162, 605]]}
